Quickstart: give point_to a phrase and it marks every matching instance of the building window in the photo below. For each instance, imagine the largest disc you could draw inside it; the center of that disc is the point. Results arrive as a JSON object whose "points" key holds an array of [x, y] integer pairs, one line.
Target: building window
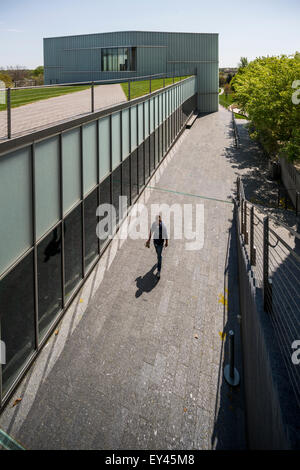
{"points": [[119, 59]]}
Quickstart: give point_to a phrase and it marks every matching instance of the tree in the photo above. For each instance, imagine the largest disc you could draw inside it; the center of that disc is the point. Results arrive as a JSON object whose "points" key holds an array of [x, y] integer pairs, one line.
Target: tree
{"points": [[38, 75], [38, 71], [17, 72], [243, 63], [229, 78], [222, 80], [4, 77], [264, 91], [227, 90]]}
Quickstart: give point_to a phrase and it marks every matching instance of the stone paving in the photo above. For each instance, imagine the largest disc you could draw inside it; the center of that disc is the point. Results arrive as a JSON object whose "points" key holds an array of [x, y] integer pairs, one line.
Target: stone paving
{"points": [[43, 113], [138, 363]]}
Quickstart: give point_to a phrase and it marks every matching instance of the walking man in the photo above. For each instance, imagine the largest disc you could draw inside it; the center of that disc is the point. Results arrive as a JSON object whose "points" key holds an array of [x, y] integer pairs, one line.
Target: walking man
{"points": [[160, 235]]}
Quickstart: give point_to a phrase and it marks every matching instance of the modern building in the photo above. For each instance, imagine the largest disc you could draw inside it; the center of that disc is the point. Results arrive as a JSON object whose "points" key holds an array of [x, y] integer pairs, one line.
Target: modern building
{"points": [[127, 54]]}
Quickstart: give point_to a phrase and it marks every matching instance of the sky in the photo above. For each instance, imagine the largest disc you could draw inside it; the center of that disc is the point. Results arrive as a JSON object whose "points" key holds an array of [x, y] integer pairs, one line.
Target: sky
{"points": [[246, 28]]}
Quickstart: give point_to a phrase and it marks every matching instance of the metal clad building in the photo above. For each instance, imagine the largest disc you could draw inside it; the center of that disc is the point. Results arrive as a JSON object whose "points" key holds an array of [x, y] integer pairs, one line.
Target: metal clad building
{"points": [[127, 54]]}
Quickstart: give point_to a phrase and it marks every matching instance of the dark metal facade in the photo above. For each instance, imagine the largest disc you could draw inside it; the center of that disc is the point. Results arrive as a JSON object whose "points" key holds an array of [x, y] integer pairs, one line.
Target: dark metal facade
{"points": [[78, 59]]}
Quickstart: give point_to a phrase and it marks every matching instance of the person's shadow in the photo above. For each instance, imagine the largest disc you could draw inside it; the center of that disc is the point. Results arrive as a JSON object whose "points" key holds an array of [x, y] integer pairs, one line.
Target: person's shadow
{"points": [[146, 283]]}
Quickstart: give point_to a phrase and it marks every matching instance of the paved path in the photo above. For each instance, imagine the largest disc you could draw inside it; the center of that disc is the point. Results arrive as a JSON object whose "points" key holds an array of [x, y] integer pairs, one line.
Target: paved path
{"points": [[53, 110], [138, 364]]}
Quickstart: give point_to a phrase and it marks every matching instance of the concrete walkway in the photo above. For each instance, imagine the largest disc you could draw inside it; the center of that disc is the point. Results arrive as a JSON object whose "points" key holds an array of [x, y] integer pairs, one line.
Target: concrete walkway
{"points": [[138, 364], [43, 113]]}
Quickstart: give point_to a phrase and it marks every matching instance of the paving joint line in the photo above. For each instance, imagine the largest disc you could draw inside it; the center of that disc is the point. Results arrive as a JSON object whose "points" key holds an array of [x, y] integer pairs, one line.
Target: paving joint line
{"points": [[191, 195]]}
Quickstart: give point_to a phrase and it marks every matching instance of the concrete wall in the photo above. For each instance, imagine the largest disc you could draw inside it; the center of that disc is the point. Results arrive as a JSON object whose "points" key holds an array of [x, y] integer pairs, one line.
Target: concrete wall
{"points": [[78, 59], [291, 179], [267, 409]]}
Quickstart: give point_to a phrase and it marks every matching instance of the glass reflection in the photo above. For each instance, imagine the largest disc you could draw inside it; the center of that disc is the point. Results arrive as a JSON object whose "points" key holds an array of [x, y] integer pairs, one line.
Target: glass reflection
{"points": [[73, 250], [90, 225], [49, 279], [17, 319]]}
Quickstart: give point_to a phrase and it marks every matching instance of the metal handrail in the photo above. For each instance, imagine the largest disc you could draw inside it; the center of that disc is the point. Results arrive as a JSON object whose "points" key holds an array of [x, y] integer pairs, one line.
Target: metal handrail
{"points": [[275, 269], [90, 84], [95, 82]]}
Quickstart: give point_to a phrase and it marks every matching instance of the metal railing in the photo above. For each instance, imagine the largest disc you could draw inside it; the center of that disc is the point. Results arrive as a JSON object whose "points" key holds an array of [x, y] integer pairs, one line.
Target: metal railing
{"points": [[50, 113], [275, 263], [235, 131]]}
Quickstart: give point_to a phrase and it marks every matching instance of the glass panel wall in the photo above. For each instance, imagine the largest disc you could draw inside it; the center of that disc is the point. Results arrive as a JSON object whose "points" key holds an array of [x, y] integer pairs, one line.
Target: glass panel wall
{"points": [[134, 176], [141, 165], [133, 123], [116, 193], [126, 180], [47, 187], [125, 133], [73, 239], [116, 139], [90, 225], [49, 279], [71, 164], [73, 250], [104, 146], [105, 198], [15, 217], [17, 319], [89, 155]]}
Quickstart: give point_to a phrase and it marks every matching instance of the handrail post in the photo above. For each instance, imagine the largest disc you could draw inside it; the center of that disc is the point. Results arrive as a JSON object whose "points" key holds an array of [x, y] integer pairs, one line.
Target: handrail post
{"points": [[92, 97], [238, 190], [231, 374], [150, 85], [252, 247], [297, 202], [242, 215], [8, 104], [266, 282], [245, 223], [164, 82], [129, 90]]}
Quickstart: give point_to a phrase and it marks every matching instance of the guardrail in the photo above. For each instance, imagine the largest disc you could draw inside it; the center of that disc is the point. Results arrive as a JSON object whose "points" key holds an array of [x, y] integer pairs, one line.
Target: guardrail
{"points": [[48, 114], [235, 131], [275, 263]]}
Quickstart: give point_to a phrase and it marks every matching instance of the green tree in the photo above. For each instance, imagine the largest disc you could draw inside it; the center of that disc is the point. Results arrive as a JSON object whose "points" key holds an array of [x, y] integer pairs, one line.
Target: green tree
{"points": [[4, 77], [38, 75], [243, 63], [222, 80], [263, 90], [229, 78], [38, 71]]}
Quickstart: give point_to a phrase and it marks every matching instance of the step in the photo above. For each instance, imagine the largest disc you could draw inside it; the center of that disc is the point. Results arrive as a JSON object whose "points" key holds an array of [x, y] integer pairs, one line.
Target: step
{"points": [[191, 121]]}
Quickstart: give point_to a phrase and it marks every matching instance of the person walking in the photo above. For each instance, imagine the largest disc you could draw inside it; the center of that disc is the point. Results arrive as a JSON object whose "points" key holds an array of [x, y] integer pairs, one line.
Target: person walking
{"points": [[160, 237]]}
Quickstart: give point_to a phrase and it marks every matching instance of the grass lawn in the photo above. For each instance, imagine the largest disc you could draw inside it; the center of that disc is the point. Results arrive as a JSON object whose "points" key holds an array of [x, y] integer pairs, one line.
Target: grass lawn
{"points": [[240, 116], [140, 88], [226, 100], [21, 97]]}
